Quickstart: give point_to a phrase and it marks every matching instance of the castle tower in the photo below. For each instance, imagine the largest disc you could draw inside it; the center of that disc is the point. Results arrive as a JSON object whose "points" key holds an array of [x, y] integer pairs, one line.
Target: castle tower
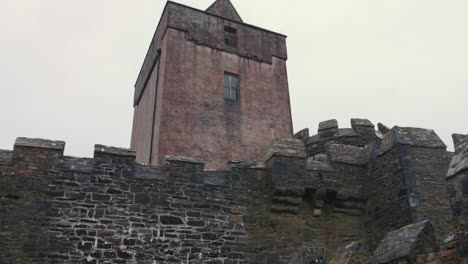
{"points": [[211, 86]]}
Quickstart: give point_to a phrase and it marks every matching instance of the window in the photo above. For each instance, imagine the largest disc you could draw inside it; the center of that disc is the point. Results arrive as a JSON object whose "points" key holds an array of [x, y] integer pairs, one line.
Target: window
{"points": [[231, 86], [230, 36]]}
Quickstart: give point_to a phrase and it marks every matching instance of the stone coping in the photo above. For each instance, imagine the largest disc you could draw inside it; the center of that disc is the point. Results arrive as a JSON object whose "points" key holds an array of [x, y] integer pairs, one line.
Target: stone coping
{"points": [[40, 143], [113, 151]]}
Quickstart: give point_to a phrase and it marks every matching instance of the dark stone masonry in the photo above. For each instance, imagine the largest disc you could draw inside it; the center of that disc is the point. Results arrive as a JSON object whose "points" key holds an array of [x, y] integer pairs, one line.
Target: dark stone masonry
{"points": [[341, 196], [216, 88]]}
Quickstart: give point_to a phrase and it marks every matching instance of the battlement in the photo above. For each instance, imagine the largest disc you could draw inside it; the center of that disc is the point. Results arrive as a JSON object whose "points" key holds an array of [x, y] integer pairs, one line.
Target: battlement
{"points": [[107, 205], [361, 143], [360, 134]]}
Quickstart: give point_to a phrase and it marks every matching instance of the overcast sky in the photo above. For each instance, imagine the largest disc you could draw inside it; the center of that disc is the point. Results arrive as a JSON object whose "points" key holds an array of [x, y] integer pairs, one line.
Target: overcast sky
{"points": [[67, 67]]}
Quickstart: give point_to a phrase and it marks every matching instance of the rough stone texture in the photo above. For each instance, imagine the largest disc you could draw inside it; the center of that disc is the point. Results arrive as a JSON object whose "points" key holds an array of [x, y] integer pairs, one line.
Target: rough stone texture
{"points": [[460, 141], [347, 154], [407, 184], [299, 206], [111, 210], [39, 143], [459, 162], [5, 156], [401, 174], [417, 137], [286, 148], [406, 243], [387, 209], [353, 253], [192, 117], [458, 191]]}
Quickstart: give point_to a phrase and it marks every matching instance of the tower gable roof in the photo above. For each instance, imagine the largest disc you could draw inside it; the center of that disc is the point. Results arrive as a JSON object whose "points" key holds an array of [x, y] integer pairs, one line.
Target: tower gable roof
{"points": [[224, 8]]}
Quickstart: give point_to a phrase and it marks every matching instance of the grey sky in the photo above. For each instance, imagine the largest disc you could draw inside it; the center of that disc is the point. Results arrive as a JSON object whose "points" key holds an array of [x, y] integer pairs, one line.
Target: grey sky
{"points": [[67, 67]]}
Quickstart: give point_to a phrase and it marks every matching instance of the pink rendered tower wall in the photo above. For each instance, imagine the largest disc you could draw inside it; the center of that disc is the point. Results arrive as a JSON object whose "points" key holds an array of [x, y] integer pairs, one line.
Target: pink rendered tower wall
{"points": [[180, 108]]}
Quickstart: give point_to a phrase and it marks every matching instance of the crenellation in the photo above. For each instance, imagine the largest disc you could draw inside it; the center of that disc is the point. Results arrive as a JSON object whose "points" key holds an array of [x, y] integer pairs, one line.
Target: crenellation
{"points": [[195, 187], [39, 143], [110, 208]]}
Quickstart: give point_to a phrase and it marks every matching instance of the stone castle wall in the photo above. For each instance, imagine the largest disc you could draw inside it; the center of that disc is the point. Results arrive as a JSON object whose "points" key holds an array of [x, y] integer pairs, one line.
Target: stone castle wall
{"points": [[309, 197]]}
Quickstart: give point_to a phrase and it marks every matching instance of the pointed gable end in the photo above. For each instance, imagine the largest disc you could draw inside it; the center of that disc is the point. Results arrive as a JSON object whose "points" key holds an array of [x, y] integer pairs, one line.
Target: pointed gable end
{"points": [[224, 8]]}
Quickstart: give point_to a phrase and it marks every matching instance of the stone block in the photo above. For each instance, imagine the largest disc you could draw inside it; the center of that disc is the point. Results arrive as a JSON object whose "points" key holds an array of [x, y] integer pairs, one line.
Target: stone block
{"points": [[406, 243], [302, 135], [291, 148], [416, 137], [36, 151], [352, 253]]}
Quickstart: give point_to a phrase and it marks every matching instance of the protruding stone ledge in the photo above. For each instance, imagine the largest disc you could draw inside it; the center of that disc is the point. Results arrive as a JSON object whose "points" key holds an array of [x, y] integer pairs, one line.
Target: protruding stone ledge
{"points": [[416, 137], [39, 143], [291, 148], [101, 149], [196, 160]]}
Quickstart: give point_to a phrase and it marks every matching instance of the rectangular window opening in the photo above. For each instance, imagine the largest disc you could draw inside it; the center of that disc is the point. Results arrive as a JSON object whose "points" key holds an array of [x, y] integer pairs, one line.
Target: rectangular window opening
{"points": [[231, 86], [230, 36]]}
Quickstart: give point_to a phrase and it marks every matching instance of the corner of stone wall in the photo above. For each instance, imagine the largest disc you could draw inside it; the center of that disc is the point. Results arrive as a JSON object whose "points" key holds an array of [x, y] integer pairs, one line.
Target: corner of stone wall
{"points": [[460, 142], [457, 179], [409, 171], [23, 192], [286, 158]]}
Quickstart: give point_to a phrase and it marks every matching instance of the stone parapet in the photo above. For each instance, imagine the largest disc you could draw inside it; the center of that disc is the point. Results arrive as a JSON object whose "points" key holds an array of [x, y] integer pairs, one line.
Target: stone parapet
{"points": [[39, 143], [360, 134]]}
